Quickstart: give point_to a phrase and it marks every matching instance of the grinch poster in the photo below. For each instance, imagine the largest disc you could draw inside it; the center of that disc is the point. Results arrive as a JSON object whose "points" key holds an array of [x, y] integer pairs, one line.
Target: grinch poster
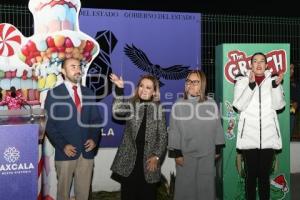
{"points": [[231, 60]]}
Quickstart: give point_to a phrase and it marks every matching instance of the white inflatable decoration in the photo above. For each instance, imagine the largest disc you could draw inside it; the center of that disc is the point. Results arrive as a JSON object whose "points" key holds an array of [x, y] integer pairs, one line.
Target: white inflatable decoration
{"points": [[33, 64]]}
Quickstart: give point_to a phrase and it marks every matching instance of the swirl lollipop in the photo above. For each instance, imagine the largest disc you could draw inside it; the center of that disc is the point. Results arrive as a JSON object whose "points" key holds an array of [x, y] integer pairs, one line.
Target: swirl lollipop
{"points": [[10, 39]]}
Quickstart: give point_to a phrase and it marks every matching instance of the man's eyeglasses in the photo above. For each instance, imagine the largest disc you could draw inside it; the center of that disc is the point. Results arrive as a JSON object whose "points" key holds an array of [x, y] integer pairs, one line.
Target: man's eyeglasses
{"points": [[191, 82]]}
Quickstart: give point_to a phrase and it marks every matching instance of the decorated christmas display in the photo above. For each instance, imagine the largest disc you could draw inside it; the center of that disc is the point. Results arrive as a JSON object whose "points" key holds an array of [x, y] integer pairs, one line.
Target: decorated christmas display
{"points": [[32, 65]]}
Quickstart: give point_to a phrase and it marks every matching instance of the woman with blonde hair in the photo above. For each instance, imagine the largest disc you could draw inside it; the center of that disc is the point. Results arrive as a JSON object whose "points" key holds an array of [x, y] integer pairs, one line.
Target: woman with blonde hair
{"points": [[137, 164], [195, 140]]}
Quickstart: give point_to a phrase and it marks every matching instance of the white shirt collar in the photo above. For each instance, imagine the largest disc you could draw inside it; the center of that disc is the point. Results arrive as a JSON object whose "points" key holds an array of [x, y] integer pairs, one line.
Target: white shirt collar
{"points": [[69, 87]]}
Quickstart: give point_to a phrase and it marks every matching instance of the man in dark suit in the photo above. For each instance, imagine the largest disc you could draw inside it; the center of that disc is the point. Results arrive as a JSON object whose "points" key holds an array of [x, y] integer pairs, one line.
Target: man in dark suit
{"points": [[73, 128]]}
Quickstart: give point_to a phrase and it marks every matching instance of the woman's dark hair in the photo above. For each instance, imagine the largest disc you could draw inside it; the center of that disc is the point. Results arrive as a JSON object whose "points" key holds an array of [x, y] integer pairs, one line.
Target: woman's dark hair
{"points": [[258, 53], [13, 93]]}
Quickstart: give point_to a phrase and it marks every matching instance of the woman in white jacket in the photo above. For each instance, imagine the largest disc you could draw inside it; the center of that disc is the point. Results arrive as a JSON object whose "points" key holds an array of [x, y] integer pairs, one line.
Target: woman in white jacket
{"points": [[257, 96]]}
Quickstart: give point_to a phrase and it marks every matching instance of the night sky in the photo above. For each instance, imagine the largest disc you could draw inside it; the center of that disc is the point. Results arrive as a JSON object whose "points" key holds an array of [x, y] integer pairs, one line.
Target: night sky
{"points": [[254, 8]]}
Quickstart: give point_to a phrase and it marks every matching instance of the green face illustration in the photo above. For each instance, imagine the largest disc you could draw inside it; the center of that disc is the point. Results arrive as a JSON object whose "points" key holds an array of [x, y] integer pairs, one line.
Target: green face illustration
{"points": [[276, 193]]}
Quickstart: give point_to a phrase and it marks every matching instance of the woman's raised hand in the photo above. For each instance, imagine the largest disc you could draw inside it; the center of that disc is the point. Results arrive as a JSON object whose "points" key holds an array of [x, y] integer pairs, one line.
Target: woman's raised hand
{"points": [[251, 77], [118, 81], [279, 78]]}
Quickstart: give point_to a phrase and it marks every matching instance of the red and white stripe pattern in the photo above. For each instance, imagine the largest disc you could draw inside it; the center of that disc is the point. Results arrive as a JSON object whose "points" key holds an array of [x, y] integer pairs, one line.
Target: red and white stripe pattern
{"points": [[10, 40], [40, 170]]}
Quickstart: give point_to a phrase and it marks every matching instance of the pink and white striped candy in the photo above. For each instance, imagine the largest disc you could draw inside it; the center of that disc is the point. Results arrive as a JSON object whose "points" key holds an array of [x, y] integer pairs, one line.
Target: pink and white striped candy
{"points": [[10, 40]]}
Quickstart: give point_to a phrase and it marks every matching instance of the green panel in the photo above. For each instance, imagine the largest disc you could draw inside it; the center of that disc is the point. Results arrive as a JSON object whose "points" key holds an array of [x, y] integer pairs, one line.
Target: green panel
{"points": [[230, 58]]}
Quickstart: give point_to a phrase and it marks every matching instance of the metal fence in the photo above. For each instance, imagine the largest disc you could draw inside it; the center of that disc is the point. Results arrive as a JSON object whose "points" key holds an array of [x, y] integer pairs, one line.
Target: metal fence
{"points": [[216, 29], [19, 16]]}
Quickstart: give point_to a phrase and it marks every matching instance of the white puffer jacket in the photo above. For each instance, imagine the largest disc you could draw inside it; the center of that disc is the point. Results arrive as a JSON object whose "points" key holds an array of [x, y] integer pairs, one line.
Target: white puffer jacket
{"points": [[258, 126]]}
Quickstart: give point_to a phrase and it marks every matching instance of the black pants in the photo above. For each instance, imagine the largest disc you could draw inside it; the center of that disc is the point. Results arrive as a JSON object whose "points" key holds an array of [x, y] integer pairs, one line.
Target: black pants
{"points": [[258, 165], [135, 186], [138, 191]]}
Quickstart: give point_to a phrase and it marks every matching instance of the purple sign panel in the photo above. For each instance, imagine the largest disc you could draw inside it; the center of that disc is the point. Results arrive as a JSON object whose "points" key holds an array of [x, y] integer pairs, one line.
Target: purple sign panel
{"points": [[18, 161], [132, 43]]}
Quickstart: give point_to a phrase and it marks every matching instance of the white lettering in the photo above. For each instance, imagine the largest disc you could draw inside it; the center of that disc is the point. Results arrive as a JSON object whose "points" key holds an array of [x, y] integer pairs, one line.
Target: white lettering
{"points": [[110, 132], [16, 166]]}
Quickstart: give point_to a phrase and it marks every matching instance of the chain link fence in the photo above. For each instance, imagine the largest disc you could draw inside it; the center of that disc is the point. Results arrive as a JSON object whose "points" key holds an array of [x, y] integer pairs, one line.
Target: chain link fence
{"points": [[19, 16], [218, 29]]}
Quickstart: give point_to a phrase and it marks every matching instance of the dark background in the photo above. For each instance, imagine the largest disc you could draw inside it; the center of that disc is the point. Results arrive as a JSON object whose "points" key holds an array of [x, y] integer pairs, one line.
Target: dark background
{"points": [[243, 7]]}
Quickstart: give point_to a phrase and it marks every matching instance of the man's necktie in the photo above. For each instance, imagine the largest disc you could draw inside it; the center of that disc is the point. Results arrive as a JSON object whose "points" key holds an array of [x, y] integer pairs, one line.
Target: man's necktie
{"points": [[76, 98]]}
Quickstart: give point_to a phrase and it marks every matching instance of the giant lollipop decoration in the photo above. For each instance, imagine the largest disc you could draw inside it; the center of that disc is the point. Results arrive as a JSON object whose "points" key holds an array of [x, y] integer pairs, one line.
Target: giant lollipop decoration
{"points": [[10, 39]]}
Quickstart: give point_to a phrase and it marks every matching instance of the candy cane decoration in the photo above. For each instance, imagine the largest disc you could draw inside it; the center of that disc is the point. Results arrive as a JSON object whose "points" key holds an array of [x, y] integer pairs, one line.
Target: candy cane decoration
{"points": [[40, 170], [10, 40]]}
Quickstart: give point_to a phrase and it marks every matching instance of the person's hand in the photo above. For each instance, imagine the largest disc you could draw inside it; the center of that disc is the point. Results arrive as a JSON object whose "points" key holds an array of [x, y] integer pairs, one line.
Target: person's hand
{"points": [[89, 145], [116, 80], [279, 78], [251, 77], [70, 150], [295, 105], [152, 163], [179, 161]]}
